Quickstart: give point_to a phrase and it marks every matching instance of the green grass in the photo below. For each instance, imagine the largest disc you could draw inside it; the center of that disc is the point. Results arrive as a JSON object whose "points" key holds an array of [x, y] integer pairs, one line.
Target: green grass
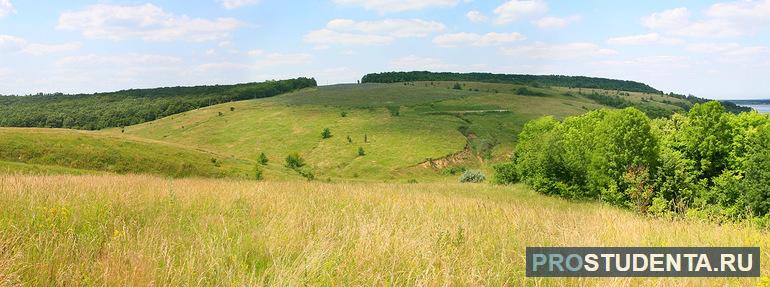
{"points": [[406, 125], [7, 167], [141, 230], [100, 152]]}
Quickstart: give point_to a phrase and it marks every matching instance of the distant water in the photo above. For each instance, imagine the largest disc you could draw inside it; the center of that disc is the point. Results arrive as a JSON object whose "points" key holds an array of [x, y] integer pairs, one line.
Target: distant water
{"points": [[760, 108]]}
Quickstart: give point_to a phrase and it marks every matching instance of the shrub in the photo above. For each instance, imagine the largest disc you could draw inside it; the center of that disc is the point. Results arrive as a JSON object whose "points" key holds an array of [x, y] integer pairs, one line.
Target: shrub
{"points": [[505, 173], [306, 173], [454, 170], [361, 151], [473, 176], [343, 114], [457, 86], [327, 133], [258, 172], [294, 161], [263, 159], [394, 110]]}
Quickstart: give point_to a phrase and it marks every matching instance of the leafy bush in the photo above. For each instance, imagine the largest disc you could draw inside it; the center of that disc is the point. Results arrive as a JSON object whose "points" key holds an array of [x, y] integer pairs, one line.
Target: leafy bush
{"points": [[306, 173], [258, 172], [708, 163], [327, 133], [505, 173], [472, 176], [454, 170], [294, 161], [263, 160], [361, 151]]}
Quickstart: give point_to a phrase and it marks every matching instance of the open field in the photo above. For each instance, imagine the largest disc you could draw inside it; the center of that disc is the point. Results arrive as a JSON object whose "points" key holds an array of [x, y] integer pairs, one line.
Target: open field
{"points": [[143, 230]]}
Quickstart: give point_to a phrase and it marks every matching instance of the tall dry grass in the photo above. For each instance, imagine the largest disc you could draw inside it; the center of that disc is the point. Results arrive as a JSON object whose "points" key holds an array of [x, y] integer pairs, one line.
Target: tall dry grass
{"points": [[141, 230]]}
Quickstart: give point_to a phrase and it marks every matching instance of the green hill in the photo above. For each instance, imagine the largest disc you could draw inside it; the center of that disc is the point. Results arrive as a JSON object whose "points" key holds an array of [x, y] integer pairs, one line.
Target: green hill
{"points": [[407, 130], [379, 131], [66, 151]]}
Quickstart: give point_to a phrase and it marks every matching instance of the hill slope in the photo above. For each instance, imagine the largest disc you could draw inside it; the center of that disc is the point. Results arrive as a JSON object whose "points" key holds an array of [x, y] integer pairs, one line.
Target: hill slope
{"points": [[407, 130], [39, 150]]}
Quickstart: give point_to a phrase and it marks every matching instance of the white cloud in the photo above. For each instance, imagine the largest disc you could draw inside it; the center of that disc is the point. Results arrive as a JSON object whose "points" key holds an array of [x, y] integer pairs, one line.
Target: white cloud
{"points": [[753, 10], [417, 63], [147, 22], [6, 8], [390, 27], [556, 22], [472, 39], [558, 51], [283, 59], [44, 49], [388, 6], [324, 38], [476, 17], [644, 39], [730, 19], [350, 32], [668, 19], [732, 52], [233, 4], [517, 9], [12, 44]]}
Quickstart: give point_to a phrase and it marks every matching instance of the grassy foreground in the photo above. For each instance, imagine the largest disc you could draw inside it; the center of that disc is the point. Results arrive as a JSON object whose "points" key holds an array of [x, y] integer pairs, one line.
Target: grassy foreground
{"points": [[142, 230]]}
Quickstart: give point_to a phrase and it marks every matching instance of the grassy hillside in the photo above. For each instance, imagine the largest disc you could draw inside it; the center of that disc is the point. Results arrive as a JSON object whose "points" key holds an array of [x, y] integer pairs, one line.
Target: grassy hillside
{"points": [[139, 230], [42, 149], [412, 130], [407, 131]]}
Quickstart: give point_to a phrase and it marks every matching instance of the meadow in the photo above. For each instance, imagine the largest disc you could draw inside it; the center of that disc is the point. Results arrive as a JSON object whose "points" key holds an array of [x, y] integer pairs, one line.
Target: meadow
{"points": [[143, 230]]}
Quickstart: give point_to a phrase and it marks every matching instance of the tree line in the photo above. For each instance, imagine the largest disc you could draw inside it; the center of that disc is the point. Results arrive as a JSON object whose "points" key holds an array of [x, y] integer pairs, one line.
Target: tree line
{"points": [[521, 79], [707, 163], [130, 107]]}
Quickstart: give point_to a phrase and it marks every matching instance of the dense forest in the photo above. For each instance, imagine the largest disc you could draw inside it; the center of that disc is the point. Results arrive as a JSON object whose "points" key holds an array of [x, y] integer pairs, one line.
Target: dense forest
{"points": [[707, 163], [551, 80], [129, 107], [542, 80]]}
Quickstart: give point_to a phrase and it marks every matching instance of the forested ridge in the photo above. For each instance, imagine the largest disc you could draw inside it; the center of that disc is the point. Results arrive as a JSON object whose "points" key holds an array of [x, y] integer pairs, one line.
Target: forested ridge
{"points": [[551, 80], [544, 80], [130, 107], [707, 163]]}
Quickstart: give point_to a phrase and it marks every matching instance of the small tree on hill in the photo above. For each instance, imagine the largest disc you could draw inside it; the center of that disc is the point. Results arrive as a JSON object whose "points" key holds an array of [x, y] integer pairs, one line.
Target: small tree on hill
{"points": [[258, 172], [294, 161], [263, 159], [327, 133], [361, 151]]}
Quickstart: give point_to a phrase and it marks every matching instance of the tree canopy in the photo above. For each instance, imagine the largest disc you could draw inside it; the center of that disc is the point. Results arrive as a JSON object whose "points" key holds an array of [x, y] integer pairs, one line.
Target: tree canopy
{"points": [[706, 163], [129, 107]]}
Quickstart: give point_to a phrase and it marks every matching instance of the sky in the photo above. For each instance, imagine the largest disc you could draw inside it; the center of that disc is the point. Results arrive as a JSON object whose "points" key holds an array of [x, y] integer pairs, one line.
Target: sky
{"points": [[712, 49]]}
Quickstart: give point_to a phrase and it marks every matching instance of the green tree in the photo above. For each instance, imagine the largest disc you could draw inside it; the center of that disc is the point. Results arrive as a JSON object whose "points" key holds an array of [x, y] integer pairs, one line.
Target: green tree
{"points": [[707, 138], [263, 160], [294, 161], [327, 133]]}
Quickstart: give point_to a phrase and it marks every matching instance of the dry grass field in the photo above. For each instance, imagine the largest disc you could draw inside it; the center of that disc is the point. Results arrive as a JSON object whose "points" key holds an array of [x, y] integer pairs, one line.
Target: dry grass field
{"points": [[152, 231]]}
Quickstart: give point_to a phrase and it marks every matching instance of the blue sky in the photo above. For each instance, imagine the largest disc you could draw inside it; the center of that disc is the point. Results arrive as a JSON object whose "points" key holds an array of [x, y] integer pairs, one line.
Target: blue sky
{"points": [[711, 49]]}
